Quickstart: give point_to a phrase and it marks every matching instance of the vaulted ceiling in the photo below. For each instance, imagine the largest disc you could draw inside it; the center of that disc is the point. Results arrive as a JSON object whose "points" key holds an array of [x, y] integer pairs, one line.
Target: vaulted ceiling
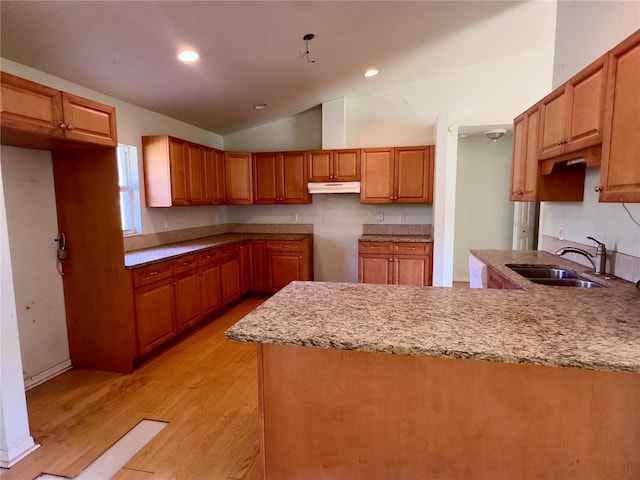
{"points": [[252, 52]]}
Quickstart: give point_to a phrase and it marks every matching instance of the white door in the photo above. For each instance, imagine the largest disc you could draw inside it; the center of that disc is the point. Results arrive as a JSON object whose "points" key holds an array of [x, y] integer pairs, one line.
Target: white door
{"points": [[524, 225]]}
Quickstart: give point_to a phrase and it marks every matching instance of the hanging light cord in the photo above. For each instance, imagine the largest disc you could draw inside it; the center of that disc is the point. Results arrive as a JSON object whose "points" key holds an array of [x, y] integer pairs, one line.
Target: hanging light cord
{"points": [[306, 38], [632, 219]]}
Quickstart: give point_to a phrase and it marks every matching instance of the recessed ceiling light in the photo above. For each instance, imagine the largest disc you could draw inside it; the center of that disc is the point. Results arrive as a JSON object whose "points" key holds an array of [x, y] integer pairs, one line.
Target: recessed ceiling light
{"points": [[188, 55], [260, 106], [372, 72]]}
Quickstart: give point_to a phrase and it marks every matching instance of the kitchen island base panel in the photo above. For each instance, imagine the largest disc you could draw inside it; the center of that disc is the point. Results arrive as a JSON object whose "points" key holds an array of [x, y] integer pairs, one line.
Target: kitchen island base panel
{"points": [[335, 414]]}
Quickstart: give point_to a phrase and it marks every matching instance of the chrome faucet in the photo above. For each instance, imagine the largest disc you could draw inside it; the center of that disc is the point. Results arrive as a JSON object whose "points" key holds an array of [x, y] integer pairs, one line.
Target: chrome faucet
{"points": [[600, 262]]}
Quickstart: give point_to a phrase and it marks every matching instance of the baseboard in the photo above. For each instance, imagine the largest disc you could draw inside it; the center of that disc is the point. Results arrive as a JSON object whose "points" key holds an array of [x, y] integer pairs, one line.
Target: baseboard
{"points": [[48, 374], [9, 458]]}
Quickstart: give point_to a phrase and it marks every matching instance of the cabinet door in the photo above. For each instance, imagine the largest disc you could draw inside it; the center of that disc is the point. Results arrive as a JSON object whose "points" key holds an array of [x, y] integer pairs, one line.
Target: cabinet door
{"points": [[553, 113], [265, 178], [30, 107], [321, 166], [229, 277], [178, 172], [585, 115], [210, 291], [413, 174], [620, 169], [238, 178], [243, 268], [346, 165], [88, 121], [209, 172], [195, 174], [283, 268], [258, 259], [373, 268], [525, 156], [155, 315], [293, 178], [219, 183], [187, 300], [412, 264], [377, 175]]}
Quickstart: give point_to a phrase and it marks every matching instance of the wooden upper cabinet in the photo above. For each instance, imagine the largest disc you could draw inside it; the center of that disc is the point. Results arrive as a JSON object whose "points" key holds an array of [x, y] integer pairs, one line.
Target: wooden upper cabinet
{"points": [[238, 178], [213, 169], [573, 115], [528, 184], [36, 116], [377, 172], [175, 172], [280, 178], [88, 121], [397, 175], [334, 165], [620, 168], [195, 174], [413, 175], [524, 171]]}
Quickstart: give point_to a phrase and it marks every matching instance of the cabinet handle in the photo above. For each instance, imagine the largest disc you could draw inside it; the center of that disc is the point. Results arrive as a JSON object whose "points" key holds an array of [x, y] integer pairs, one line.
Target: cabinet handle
{"points": [[153, 274], [207, 257], [63, 126], [409, 248], [284, 246], [598, 189], [174, 284], [300, 258], [69, 127]]}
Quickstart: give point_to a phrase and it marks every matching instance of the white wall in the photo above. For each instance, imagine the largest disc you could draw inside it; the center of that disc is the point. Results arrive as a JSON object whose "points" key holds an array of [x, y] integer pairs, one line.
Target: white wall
{"points": [[484, 214], [299, 132], [15, 438], [586, 30], [32, 219]]}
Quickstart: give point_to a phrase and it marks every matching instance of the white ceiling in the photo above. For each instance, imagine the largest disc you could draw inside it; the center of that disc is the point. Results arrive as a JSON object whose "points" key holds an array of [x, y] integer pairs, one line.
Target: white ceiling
{"points": [[251, 51]]}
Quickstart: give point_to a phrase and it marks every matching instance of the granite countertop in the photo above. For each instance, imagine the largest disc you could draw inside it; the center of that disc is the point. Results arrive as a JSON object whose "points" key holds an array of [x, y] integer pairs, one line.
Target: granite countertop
{"points": [[396, 238], [596, 329], [148, 256]]}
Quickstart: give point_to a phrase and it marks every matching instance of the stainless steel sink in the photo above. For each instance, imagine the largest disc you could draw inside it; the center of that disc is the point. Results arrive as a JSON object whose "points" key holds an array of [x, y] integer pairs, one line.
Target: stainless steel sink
{"points": [[553, 275], [566, 282]]}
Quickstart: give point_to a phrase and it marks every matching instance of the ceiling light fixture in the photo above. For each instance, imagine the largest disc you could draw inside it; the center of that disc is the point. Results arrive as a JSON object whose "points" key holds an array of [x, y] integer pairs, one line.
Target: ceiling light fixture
{"points": [[188, 55], [495, 134], [372, 72], [260, 106], [307, 38]]}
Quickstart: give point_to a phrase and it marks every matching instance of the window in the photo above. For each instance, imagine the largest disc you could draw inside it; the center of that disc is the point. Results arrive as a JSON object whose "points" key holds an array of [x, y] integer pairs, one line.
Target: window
{"points": [[129, 189]]}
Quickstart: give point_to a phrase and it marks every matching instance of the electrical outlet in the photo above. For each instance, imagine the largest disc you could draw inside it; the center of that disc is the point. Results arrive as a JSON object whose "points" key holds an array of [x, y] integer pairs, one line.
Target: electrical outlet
{"points": [[402, 217], [381, 216], [561, 236], [294, 217]]}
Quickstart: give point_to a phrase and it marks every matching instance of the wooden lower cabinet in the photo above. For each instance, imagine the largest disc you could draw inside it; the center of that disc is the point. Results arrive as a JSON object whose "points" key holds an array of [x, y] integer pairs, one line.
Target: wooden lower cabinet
{"points": [[174, 295], [230, 274], [394, 263], [495, 280], [209, 289], [287, 261], [187, 292], [155, 308]]}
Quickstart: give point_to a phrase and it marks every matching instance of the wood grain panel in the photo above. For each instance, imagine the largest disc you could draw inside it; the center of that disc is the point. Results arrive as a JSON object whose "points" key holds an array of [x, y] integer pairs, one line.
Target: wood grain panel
{"points": [[357, 415], [97, 288]]}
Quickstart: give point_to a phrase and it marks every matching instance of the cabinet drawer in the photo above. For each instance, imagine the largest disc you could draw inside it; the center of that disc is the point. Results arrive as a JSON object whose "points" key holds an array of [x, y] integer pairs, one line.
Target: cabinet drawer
{"points": [[186, 262], [229, 250], [411, 248], [382, 248], [208, 256], [151, 273], [284, 246]]}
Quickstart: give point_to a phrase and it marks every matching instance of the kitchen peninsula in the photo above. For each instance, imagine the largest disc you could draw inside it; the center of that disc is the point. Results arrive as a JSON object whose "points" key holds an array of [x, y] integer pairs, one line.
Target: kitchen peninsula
{"points": [[412, 382]]}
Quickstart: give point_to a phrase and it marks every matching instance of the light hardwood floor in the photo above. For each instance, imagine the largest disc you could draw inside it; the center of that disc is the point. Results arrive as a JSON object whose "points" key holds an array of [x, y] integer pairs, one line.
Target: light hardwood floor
{"points": [[204, 386]]}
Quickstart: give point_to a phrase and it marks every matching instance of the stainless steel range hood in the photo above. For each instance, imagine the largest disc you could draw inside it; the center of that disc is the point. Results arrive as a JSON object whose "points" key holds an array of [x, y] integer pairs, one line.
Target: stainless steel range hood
{"points": [[334, 187]]}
